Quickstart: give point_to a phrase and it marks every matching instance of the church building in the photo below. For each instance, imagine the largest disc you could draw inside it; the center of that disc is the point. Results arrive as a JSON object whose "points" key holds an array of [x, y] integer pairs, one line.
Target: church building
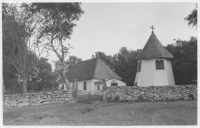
{"points": [[90, 75], [154, 64]]}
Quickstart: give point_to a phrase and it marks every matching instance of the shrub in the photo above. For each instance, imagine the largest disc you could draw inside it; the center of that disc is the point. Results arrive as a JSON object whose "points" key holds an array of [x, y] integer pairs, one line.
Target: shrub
{"points": [[191, 96], [108, 98], [101, 98], [140, 98], [116, 98]]}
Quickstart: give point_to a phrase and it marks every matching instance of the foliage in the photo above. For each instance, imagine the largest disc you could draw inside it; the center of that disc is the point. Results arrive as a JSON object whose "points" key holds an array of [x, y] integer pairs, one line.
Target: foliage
{"points": [[184, 63], [191, 96], [101, 98], [108, 98], [122, 63], [116, 98], [140, 98], [57, 26], [69, 63], [108, 59], [192, 18], [125, 65], [41, 76], [10, 78], [72, 61], [18, 27]]}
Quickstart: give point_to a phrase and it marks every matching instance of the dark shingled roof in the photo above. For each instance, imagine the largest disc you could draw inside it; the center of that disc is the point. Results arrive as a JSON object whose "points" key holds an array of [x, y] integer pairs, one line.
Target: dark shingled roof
{"points": [[91, 69], [153, 49]]}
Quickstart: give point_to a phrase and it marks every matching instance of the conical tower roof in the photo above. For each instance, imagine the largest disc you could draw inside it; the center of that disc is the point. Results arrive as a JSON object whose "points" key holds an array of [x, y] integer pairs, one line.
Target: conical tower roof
{"points": [[153, 49]]}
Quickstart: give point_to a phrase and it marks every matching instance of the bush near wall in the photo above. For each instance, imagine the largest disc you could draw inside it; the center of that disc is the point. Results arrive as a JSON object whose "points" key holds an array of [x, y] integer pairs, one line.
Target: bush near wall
{"points": [[29, 99], [152, 93]]}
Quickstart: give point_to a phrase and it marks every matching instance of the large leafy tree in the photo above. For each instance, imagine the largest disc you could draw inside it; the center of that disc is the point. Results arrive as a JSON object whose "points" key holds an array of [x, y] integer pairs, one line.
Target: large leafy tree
{"points": [[185, 61], [72, 60], [18, 49], [192, 18], [10, 79], [41, 76], [108, 59], [125, 65], [57, 26]]}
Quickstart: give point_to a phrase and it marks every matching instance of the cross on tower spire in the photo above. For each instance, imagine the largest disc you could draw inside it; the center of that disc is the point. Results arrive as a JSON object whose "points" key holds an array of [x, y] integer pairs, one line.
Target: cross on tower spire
{"points": [[152, 28]]}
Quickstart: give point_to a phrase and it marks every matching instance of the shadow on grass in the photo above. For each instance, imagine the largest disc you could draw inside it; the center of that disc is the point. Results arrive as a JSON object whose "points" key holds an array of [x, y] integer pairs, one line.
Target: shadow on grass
{"points": [[87, 110]]}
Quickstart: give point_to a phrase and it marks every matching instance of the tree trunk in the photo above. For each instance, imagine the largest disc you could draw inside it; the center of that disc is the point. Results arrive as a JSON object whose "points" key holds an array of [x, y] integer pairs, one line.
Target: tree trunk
{"points": [[64, 76], [104, 85], [24, 84], [75, 88]]}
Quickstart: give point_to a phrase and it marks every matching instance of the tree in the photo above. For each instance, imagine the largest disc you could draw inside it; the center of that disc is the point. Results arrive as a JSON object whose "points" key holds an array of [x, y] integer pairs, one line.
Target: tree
{"points": [[10, 78], [72, 61], [19, 25], [192, 18], [41, 76], [69, 64], [184, 63], [122, 63], [125, 65], [108, 59], [57, 26]]}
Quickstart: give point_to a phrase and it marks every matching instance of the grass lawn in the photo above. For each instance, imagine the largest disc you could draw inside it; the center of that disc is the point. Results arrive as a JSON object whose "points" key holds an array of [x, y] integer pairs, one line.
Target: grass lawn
{"points": [[102, 113]]}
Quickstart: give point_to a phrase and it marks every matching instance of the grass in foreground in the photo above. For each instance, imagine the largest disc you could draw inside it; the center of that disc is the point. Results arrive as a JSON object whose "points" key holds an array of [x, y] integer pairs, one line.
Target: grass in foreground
{"points": [[135, 113]]}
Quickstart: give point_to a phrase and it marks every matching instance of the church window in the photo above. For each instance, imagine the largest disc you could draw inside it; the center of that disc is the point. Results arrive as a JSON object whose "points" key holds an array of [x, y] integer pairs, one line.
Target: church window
{"points": [[84, 85], [139, 66], [160, 65]]}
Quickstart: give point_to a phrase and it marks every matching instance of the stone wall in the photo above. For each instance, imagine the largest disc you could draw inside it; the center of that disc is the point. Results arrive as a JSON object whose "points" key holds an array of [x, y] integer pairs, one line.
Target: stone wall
{"points": [[28, 99], [152, 93]]}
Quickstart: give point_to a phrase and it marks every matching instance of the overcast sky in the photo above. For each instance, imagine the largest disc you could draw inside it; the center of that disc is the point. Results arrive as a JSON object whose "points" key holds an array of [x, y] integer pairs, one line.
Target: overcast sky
{"points": [[107, 27]]}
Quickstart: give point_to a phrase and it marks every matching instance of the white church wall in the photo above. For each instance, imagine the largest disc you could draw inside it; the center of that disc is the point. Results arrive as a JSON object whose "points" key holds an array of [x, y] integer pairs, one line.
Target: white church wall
{"points": [[170, 74], [81, 83], [137, 78], [149, 76], [145, 77], [90, 86], [160, 78]]}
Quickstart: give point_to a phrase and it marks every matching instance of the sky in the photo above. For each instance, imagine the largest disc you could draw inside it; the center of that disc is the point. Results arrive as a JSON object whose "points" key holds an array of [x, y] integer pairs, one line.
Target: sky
{"points": [[107, 27]]}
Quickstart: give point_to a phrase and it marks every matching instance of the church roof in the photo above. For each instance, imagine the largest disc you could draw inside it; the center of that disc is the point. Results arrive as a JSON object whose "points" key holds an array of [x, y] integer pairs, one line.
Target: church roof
{"points": [[153, 49], [91, 69]]}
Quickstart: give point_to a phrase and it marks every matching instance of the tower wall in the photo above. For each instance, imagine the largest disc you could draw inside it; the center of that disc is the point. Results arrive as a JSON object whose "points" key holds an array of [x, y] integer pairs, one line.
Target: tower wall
{"points": [[170, 74], [149, 76]]}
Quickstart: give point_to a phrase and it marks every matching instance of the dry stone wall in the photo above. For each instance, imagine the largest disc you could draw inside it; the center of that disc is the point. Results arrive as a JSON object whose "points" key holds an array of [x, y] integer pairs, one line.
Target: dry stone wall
{"points": [[29, 99], [152, 93]]}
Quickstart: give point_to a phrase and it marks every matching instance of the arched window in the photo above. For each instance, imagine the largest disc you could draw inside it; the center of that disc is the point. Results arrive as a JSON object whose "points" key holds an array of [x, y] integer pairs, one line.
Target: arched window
{"points": [[160, 65], [98, 87], [139, 66], [84, 85]]}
